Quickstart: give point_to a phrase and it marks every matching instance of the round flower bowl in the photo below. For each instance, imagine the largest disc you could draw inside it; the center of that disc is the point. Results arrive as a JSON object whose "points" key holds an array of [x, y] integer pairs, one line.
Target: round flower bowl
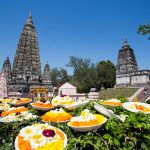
{"points": [[65, 140], [5, 122], [87, 128], [76, 105], [20, 104], [56, 121], [41, 108], [16, 142], [111, 103]]}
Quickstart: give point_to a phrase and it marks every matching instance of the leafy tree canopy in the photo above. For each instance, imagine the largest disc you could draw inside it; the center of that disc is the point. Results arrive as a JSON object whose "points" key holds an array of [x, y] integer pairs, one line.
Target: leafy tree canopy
{"points": [[87, 75], [144, 29], [59, 76], [106, 74]]}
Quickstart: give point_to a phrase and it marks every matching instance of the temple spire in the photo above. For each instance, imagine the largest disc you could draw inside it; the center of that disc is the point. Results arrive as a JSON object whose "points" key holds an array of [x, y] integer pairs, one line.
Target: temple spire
{"points": [[26, 67]]}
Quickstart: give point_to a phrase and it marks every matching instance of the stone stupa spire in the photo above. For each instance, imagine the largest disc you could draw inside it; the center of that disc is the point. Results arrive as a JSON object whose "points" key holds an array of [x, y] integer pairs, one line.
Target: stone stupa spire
{"points": [[126, 60], [27, 66]]}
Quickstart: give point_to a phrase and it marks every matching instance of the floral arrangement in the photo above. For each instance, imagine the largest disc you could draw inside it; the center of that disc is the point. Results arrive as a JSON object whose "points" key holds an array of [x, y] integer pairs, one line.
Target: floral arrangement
{"points": [[115, 134], [57, 115], [43, 103], [142, 108], [113, 102], [6, 100], [137, 106], [62, 100], [4, 106], [40, 137], [86, 119], [13, 110], [24, 115], [21, 100]]}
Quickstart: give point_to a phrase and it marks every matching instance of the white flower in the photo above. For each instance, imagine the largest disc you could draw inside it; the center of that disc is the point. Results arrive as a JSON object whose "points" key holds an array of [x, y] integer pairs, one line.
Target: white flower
{"points": [[28, 132]]}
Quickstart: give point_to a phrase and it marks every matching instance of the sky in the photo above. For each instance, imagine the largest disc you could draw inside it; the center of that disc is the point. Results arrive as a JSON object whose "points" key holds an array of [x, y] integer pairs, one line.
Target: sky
{"points": [[92, 29]]}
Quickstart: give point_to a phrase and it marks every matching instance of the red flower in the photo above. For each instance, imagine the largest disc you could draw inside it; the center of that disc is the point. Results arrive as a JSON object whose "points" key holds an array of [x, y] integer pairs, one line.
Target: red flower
{"points": [[43, 100], [17, 113], [48, 133]]}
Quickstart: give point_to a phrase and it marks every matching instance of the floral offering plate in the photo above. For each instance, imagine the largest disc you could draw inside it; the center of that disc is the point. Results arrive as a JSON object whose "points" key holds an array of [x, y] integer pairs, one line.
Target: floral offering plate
{"points": [[137, 107], [61, 101], [21, 101], [76, 105], [13, 110], [41, 137], [4, 106], [13, 117], [6, 100], [43, 106], [87, 121], [57, 116], [112, 102]]}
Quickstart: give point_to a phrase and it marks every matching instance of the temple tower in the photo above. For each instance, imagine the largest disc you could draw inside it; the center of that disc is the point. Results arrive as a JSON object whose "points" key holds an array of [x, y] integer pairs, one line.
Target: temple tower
{"points": [[46, 78], [127, 73], [6, 70], [26, 66], [126, 60]]}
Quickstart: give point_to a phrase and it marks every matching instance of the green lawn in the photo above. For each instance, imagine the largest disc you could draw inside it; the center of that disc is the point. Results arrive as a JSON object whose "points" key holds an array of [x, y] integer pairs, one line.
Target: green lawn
{"points": [[111, 93]]}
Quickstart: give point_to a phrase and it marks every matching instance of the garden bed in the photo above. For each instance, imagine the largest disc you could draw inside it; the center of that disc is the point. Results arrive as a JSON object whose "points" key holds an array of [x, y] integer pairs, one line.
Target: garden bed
{"points": [[132, 134]]}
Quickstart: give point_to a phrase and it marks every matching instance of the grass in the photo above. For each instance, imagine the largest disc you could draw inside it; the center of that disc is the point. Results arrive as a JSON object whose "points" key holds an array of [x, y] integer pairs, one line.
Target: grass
{"points": [[111, 93]]}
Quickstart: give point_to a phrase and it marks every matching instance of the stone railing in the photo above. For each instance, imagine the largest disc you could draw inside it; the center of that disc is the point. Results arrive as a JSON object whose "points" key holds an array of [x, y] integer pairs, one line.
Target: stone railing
{"points": [[131, 98]]}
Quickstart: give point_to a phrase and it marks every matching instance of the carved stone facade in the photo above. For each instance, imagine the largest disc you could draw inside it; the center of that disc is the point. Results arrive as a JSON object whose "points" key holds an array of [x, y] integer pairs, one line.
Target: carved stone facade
{"points": [[26, 69], [46, 78], [126, 60], [6, 70], [127, 73]]}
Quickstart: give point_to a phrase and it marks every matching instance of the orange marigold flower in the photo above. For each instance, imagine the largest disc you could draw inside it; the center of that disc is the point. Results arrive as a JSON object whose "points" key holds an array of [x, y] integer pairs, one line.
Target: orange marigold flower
{"points": [[15, 110]]}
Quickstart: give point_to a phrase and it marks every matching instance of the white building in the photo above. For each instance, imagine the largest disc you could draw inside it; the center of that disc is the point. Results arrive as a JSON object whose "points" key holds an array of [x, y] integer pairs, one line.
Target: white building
{"points": [[67, 89]]}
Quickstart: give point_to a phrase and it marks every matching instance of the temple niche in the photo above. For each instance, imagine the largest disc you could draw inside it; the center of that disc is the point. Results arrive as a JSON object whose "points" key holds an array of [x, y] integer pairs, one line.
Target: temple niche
{"points": [[127, 73], [26, 68]]}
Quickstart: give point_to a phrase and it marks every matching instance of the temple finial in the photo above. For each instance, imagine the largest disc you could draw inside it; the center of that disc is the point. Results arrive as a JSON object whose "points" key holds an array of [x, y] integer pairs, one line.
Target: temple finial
{"points": [[125, 43], [29, 20]]}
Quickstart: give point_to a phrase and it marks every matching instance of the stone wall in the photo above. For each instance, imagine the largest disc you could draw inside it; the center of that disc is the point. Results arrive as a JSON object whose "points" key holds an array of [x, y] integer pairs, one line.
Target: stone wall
{"points": [[141, 77]]}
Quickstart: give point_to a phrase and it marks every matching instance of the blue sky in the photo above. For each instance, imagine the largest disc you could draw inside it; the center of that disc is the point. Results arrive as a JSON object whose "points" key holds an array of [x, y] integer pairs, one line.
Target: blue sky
{"points": [[93, 29]]}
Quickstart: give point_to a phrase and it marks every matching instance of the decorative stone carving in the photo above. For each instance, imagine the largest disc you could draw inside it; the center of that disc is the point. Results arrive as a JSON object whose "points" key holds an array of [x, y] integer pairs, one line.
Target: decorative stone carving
{"points": [[46, 78], [27, 59], [6, 70], [126, 60]]}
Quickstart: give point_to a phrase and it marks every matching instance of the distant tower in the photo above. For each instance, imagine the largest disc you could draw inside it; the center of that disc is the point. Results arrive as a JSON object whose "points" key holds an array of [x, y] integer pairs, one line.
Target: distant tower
{"points": [[46, 78], [126, 60], [6, 70], [26, 66]]}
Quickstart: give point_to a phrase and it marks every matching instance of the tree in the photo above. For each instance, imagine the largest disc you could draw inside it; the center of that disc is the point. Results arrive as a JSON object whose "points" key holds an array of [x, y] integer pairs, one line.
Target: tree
{"points": [[106, 74], [84, 76], [78, 63], [59, 76], [144, 29]]}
